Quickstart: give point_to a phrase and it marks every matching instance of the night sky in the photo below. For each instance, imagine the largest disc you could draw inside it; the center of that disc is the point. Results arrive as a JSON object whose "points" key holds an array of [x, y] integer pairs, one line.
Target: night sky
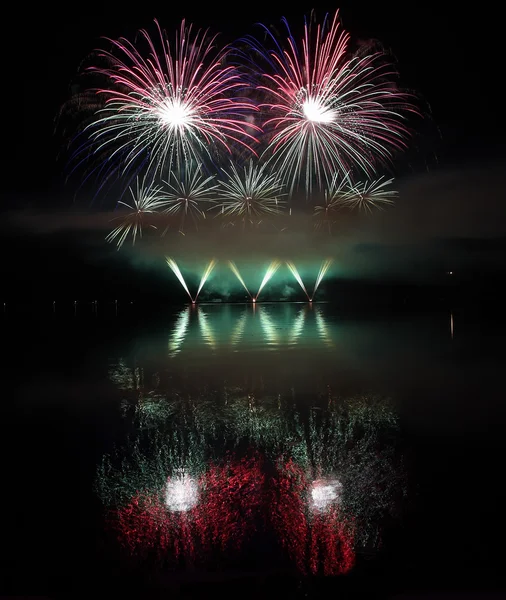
{"points": [[452, 184]]}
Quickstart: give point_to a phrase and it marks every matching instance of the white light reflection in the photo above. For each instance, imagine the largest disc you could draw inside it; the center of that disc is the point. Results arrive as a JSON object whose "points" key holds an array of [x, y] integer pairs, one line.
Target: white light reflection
{"points": [[179, 332], [238, 331], [205, 329], [325, 493], [323, 330], [181, 493], [298, 327], [268, 328]]}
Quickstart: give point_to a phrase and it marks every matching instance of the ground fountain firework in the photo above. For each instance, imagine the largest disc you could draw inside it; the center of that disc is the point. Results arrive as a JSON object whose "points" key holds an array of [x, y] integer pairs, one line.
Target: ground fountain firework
{"points": [[269, 273]]}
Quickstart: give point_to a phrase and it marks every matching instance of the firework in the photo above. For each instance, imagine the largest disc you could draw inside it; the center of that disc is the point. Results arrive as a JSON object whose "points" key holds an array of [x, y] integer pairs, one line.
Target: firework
{"points": [[371, 194], [295, 273], [271, 269], [179, 515], [146, 201], [328, 110], [321, 274], [177, 272], [188, 190], [175, 100], [319, 539], [236, 272], [250, 193], [336, 194]]}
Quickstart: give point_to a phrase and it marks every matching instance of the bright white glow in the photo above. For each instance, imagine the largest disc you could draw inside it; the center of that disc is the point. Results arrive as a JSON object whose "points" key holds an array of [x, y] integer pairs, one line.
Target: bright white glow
{"points": [[314, 111], [182, 493], [174, 113], [325, 492]]}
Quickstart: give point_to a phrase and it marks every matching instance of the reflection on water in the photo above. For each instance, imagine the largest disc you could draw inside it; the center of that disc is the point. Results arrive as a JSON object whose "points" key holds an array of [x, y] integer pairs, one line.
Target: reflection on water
{"points": [[265, 326], [207, 471]]}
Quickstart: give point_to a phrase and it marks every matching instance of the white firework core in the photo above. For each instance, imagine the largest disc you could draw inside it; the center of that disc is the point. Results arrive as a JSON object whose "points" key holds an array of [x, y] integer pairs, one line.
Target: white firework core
{"points": [[324, 493], [182, 493], [174, 113], [316, 112]]}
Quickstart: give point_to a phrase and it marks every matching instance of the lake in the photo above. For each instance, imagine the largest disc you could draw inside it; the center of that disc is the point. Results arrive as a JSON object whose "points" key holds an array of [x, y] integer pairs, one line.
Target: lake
{"points": [[243, 448]]}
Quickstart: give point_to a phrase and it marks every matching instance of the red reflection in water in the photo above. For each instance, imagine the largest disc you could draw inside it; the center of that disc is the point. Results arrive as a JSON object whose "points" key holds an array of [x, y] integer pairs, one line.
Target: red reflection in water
{"points": [[229, 497], [318, 539]]}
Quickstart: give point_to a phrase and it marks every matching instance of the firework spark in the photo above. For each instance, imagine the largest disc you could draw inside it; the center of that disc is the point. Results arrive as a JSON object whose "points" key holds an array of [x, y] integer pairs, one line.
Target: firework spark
{"points": [[321, 274], [177, 101], [328, 110], [368, 195], [177, 272], [146, 201], [250, 193], [295, 273], [236, 272], [205, 276], [336, 194], [271, 269], [188, 189]]}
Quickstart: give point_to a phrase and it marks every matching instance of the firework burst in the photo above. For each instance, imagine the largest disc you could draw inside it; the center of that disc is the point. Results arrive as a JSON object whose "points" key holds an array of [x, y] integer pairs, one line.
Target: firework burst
{"points": [[146, 201], [368, 195], [177, 101], [188, 190], [338, 192], [328, 110], [250, 193]]}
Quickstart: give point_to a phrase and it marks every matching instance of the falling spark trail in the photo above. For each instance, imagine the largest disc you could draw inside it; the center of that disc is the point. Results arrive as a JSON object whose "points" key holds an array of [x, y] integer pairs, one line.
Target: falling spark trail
{"points": [[273, 267], [172, 264], [295, 273], [321, 273], [205, 276], [238, 275]]}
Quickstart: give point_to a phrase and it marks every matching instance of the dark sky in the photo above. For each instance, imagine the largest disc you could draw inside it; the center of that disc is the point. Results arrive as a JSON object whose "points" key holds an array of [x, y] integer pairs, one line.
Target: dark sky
{"points": [[453, 58]]}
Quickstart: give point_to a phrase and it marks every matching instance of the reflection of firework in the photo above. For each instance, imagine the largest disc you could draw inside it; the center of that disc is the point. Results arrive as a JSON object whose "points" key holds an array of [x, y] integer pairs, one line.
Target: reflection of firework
{"points": [[181, 493], [189, 518], [167, 105], [319, 541], [328, 111]]}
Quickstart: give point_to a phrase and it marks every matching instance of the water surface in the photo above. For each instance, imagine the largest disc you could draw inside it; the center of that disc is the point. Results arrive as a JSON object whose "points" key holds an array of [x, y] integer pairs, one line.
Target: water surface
{"points": [[224, 440]]}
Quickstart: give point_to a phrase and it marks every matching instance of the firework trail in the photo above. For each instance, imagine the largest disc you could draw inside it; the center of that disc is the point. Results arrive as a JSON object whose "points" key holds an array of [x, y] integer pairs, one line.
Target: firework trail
{"points": [[295, 273], [187, 190], [205, 276], [174, 101], [272, 268], [327, 110], [236, 272], [177, 272], [250, 193], [146, 201], [321, 274]]}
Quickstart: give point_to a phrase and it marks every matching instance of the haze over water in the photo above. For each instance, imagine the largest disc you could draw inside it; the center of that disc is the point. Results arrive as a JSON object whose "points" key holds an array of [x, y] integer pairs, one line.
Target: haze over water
{"points": [[214, 421]]}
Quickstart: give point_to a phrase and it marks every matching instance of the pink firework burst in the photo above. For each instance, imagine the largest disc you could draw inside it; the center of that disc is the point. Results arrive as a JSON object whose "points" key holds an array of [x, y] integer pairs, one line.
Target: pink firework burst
{"points": [[168, 102], [328, 109]]}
